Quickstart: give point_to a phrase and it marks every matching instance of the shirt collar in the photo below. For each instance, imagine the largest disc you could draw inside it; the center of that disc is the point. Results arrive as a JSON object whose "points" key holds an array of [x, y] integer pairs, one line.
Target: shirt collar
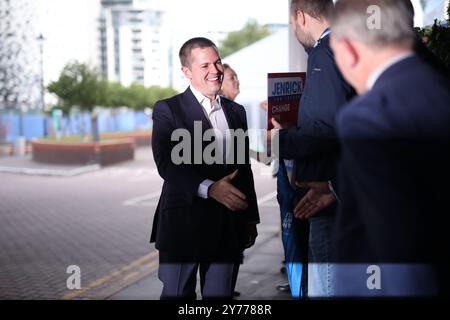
{"points": [[204, 101], [324, 34], [381, 69]]}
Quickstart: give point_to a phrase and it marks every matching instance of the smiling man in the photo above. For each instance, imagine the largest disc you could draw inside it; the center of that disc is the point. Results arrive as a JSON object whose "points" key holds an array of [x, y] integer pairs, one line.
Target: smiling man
{"points": [[207, 213]]}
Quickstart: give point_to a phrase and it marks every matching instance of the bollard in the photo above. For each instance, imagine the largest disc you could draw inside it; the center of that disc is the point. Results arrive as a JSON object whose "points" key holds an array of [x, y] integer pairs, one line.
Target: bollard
{"points": [[20, 146]]}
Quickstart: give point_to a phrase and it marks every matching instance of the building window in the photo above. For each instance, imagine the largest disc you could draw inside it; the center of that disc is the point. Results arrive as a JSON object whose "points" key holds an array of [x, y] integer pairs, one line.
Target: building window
{"points": [[135, 20]]}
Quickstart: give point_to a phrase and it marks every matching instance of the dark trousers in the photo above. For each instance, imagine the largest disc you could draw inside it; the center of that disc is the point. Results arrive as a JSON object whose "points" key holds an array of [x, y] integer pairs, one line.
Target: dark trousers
{"points": [[180, 279], [236, 272]]}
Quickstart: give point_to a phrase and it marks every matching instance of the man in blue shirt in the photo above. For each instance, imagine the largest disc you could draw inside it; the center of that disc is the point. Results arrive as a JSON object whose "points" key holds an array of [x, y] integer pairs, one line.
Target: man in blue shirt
{"points": [[313, 142]]}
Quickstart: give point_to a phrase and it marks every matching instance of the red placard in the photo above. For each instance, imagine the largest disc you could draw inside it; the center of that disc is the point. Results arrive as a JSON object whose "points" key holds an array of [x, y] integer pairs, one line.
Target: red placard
{"points": [[284, 93]]}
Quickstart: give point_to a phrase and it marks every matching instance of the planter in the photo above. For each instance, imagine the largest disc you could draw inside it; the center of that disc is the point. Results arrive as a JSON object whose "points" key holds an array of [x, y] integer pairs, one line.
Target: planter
{"points": [[103, 153], [141, 139]]}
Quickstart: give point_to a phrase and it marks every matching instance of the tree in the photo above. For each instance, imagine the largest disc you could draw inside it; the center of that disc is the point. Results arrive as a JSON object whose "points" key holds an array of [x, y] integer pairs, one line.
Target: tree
{"points": [[437, 39], [156, 93], [439, 43], [136, 96], [80, 85], [237, 40], [115, 94]]}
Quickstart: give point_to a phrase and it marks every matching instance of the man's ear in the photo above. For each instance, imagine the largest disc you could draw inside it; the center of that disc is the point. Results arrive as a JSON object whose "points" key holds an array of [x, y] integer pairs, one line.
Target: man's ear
{"points": [[351, 52], [187, 72], [301, 17]]}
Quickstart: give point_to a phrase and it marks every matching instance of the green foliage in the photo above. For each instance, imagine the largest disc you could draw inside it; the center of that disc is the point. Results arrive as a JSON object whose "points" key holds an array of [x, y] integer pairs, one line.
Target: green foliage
{"points": [[237, 40], [64, 108], [439, 43], [79, 85], [448, 11], [162, 93], [136, 96], [437, 39], [114, 95]]}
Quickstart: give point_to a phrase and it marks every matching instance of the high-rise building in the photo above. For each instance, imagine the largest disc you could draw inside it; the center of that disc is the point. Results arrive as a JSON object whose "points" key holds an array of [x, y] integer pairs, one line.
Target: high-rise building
{"points": [[134, 43]]}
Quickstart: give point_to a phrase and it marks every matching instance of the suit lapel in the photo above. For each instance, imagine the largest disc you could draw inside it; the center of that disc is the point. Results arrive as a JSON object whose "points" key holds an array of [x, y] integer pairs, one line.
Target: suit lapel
{"points": [[230, 114], [194, 110]]}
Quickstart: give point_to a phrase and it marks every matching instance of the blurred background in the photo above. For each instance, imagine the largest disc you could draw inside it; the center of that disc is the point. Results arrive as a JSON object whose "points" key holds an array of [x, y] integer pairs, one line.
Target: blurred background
{"points": [[129, 48]]}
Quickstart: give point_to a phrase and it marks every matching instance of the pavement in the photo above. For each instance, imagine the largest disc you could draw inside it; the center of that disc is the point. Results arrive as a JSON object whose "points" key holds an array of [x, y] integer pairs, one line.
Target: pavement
{"points": [[258, 276], [99, 219], [26, 165]]}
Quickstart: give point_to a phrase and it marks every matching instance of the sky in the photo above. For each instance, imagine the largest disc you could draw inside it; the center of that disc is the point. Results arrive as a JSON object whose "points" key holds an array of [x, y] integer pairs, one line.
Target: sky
{"points": [[69, 28], [224, 15], [66, 23]]}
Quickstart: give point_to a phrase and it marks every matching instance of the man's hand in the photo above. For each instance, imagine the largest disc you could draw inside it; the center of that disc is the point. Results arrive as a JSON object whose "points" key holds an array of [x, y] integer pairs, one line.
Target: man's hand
{"points": [[270, 134], [318, 197], [252, 233], [276, 124], [264, 105], [224, 192]]}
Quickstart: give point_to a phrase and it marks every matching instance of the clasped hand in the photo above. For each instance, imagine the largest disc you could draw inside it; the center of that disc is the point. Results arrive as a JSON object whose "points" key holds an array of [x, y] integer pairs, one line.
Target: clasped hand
{"points": [[318, 197], [224, 192]]}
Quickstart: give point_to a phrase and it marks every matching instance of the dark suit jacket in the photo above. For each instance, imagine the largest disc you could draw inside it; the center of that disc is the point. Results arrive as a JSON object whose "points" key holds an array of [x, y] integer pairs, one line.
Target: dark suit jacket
{"points": [[394, 171], [187, 227]]}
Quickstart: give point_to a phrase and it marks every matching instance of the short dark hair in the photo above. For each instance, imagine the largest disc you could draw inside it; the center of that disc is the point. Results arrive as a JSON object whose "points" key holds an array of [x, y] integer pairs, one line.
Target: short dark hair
{"points": [[318, 9], [188, 46]]}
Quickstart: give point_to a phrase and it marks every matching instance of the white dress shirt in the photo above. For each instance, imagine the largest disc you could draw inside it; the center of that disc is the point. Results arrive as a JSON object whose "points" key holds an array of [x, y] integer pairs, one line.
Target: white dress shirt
{"points": [[216, 116]]}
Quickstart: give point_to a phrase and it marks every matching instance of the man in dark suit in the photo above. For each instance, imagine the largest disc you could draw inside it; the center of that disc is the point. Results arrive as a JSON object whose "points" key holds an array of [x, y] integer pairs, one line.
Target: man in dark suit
{"points": [[207, 212], [313, 143], [391, 235]]}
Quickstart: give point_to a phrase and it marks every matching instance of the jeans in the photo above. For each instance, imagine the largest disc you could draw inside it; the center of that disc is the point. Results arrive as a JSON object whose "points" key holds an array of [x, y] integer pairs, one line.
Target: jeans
{"points": [[321, 273]]}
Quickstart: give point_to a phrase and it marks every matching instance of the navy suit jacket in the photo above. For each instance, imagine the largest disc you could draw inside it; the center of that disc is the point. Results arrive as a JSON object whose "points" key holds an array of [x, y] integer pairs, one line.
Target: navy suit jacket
{"points": [[394, 170], [313, 143], [185, 226]]}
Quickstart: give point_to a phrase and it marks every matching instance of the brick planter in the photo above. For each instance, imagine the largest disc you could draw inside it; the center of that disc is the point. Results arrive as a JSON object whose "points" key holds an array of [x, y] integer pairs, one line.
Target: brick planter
{"points": [[103, 153], [141, 139]]}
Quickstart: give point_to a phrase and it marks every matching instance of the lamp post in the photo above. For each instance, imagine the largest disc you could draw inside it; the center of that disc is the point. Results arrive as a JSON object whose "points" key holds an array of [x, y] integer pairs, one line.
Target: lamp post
{"points": [[41, 40]]}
